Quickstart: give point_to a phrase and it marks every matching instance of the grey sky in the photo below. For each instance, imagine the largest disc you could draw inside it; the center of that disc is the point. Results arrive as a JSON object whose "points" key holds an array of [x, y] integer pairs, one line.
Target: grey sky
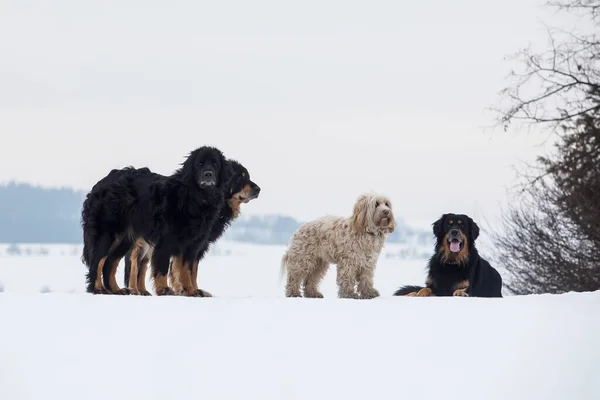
{"points": [[321, 100]]}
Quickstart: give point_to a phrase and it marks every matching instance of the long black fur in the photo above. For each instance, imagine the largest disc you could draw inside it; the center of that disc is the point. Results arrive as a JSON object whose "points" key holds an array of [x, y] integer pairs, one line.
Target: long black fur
{"points": [[239, 180], [174, 214], [484, 280]]}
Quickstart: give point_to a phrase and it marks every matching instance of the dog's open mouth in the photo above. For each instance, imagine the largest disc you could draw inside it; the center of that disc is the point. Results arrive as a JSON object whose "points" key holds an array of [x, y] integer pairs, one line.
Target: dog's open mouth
{"points": [[455, 245], [243, 199]]}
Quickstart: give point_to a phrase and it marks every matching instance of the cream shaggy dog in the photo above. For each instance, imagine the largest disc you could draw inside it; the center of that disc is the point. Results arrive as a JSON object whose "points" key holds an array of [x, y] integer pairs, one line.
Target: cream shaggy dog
{"points": [[353, 244]]}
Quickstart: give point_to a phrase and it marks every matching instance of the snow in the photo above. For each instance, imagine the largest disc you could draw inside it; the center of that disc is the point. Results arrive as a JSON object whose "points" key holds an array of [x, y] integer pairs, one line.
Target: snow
{"points": [[250, 342]]}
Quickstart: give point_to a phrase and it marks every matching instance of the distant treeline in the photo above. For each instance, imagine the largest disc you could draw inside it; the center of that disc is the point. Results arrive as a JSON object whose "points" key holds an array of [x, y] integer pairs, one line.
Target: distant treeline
{"points": [[31, 214]]}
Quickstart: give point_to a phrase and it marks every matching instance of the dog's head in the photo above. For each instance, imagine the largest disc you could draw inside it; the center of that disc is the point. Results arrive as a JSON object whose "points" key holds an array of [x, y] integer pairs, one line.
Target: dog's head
{"points": [[372, 214], [455, 234], [240, 189], [206, 167]]}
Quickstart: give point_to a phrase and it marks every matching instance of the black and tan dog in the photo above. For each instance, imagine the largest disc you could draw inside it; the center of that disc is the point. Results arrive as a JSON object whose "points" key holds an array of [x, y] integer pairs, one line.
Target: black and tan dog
{"points": [[172, 214], [239, 190], [456, 268]]}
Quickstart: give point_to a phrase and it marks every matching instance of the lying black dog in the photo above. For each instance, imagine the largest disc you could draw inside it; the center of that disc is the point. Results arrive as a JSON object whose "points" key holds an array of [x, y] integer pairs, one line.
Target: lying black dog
{"points": [[456, 269]]}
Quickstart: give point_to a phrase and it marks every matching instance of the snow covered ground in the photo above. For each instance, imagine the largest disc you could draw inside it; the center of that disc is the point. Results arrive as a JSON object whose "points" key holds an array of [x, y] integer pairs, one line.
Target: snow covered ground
{"points": [[250, 342]]}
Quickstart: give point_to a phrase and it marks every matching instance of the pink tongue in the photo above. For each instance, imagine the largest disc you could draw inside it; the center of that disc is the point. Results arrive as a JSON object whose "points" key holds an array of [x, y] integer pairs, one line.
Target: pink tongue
{"points": [[454, 247]]}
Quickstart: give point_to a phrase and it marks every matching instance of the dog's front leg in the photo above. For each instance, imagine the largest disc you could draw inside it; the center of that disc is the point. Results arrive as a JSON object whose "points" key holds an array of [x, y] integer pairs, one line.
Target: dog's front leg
{"points": [[346, 279], [365, 283]]}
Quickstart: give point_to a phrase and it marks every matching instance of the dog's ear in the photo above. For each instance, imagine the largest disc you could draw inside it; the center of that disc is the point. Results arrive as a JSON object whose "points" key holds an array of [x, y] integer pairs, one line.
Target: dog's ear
{"points": [[358, 220], [392, 226], [438, 227], [226, 172], [474, 229]]}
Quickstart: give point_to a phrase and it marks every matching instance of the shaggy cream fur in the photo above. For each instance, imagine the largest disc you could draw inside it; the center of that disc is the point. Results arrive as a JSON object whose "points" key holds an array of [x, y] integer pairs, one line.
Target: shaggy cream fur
{"points": [[353, 244]]}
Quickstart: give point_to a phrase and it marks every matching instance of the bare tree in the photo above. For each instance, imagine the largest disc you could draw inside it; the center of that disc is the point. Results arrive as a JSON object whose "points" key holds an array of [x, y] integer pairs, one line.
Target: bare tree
{"points": [[549, 240], [561, 83]]}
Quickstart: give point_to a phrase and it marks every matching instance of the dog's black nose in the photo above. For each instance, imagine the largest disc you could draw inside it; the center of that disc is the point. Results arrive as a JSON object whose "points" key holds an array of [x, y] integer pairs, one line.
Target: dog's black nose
{"points": [[208, 174], [256, 188], [454, 232], [386, 212]]}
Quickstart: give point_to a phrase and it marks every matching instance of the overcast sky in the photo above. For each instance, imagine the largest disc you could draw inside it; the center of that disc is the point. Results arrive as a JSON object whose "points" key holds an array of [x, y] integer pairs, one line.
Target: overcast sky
{"points": [[320, 100]]}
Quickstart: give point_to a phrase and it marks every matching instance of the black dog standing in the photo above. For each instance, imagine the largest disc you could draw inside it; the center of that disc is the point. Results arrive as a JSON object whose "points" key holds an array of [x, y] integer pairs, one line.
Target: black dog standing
{"points": [[173, 214], [456, 268]]}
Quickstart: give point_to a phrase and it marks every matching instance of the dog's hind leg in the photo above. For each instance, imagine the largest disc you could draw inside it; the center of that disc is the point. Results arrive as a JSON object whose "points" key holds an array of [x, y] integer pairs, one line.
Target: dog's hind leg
{"points": [[141, 276], [295, 276], [314, 277], [112, 261], [132, 263], [160, 269], [94, 275]]}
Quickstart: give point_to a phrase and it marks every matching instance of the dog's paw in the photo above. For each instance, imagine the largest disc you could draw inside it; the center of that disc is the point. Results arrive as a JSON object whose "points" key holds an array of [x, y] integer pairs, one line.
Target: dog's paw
{"points": [[313, 294], [124, 291], [350, 295], [460, 293], [166, 291], [203, 293], [144, 293], [370, 294], [425, 292]]}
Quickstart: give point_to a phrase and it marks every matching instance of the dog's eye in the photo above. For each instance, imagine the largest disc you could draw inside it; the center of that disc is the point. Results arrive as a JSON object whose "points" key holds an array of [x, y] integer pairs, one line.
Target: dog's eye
{"points": [[214, 163], [451, 222], [387, 205], [377, 204]]}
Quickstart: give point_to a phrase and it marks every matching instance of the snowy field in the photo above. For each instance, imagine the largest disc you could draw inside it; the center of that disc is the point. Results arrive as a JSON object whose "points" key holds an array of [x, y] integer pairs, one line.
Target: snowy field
{"points": [[250, 342]]}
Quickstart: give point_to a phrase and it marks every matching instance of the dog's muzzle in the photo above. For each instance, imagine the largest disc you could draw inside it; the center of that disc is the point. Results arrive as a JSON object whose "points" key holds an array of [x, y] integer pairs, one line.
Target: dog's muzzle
{"points": [[208, 178], [455, 241]]}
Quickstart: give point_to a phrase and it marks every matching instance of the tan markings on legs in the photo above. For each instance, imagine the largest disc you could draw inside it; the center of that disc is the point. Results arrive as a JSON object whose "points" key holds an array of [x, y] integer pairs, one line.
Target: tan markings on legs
{"points": [[141, 277], [194, 279], [425, 292], [174, 278], [175, 275], [460, 289], [133, 272], [161, 286], [112, 279], [98, 286], [182, 275], [185, 277], [195, 274]]}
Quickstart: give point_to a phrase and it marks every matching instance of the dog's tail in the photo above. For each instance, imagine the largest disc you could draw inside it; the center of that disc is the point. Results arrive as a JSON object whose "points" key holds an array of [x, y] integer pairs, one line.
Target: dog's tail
{"points": [[90, 240], [283, 267], [404, 290]]}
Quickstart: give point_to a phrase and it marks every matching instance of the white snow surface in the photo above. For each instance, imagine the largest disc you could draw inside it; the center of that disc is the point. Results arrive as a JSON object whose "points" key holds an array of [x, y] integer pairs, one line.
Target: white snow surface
{"points": [[250, 342]]}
